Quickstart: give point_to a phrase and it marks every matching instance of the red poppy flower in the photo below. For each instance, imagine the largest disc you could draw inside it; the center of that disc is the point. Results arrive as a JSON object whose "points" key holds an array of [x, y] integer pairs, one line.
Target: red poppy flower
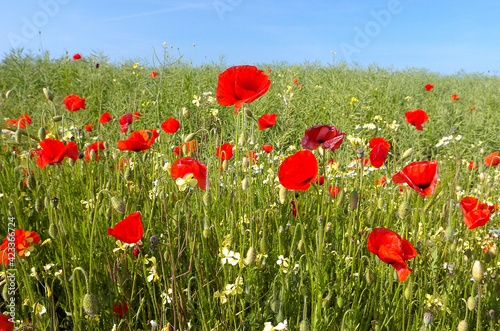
{"points": [[295, 81], [493, 159], [225, 152], [300, 86], [126, 119], [153, 74], [298, 171], [380, 150], [269, 70], [429, 87], [472, 108], [267, 148], [5, 323], [191, 145], [124, 128], [252, 156], [129, 230], [137, 115], [390, 248], [97, 146], [381, 181], [475, 212], [138, 140], [421, 176], [120, 309], [416, 117], [472, 165], [182, 167], [22, 242], [54, 151], [171, 125], [329, 136], [105, 118], [266, 121], [455, 97], [23, 121], [320, 180], [74, 102], [88, 127], [77, 57], [241, 84], [334, 190]]}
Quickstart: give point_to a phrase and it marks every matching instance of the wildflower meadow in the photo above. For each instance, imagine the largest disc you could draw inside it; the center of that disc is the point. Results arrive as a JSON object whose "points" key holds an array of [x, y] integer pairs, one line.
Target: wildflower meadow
{"points": [[165, 196]]}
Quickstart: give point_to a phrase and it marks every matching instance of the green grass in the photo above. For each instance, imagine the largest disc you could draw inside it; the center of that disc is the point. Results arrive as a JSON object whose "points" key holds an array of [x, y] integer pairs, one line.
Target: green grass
{"points": [[332, 281]]}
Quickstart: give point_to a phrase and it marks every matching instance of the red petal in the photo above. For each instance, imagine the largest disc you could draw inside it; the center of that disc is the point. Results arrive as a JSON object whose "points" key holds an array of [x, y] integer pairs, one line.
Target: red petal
{"points": [[129, 230]]}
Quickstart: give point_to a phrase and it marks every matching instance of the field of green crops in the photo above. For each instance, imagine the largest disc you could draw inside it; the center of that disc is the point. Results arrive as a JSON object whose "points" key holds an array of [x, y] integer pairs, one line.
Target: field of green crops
{"points": [[243, 252]]}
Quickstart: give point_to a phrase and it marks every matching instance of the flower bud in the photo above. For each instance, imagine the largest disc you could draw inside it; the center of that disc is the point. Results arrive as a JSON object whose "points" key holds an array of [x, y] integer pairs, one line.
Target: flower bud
{"points": [[18, 136], [340, 302], [42, 133], [251, 255], [39, 205], [369, 276], [90, 305], [482, 177], [248, 112], [477, 271], [57, 118], [225, 165], [31, 182], [264, 245], [53, 230], [186, 113], [118, 205], [282, 194], [128, 175], [8, 94], [407, 153], [245, 163], [403, 210], [353, 200], [48, 94], [463, 326], [189, 137], [301, 246], [304, 326]]}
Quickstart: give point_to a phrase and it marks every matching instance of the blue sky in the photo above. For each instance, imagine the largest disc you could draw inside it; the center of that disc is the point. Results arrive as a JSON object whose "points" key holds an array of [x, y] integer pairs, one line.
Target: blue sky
{"points": [[443, 36]]}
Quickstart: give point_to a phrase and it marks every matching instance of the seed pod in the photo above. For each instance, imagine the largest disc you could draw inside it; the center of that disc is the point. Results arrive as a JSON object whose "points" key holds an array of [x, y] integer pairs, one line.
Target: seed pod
{"points": [[264, 245], [48, 94], [53, 230], [282, 194], [42, 133], [407, 153], [90, 305], [245, 183], [31, 182], [404, 210], [225, 165], [128, 175], [463, 326], [245, 163], [471, 303], [477, 271], [189, 137], [118, 205], [57, 118], [251, 255], [353, 200], [39, 205], [186, 113]]}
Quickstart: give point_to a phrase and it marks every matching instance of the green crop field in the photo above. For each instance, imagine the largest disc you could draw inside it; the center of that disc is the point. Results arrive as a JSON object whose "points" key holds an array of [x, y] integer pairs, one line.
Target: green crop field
{"points": [[133, 224]]}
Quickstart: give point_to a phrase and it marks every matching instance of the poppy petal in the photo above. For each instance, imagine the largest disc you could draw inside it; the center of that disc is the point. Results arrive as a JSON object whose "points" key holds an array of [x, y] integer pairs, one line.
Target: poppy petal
{"points": [[129, 230]]}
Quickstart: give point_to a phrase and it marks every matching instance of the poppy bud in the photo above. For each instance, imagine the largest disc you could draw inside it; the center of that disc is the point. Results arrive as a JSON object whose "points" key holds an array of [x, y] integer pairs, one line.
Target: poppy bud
{"points": [[31, 182], [5, 292], [106, 145], [189, 137], [92, 155], [48, 94], [280, 317], [225, 165], [407, 293], [248, 112], [407, 153], [304, 326], [264, 245], [206, 233], [360, 152], [136, 251], [340, 302], [251, 255], [39, 205], [404, 210], [207, 197], [8, 94], [301, 246], [482, 176], [53, 230], [471, 303], [245, 183], [492, 250], [128, 175], [243, 138], [57, 118], [477, 271], [353, 200], [481, 151], [90, 305], [487, 257], [118, 205], [186, 113], [427, 318], [449, 232], [245, 163], [340, 198], [463, 326], [282, 194], [369, 276], [380, 203], [54, 202], [185, 149], [18, 136], [491, 314], [42, 133]]}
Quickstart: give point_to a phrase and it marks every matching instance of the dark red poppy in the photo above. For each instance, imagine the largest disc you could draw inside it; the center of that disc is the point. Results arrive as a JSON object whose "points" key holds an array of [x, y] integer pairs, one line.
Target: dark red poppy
{"points": [[329, 136], [380, 150], [105, 118], [74, 102], [266, 121], [475, 212], [137, 115], [5, 323], [381, 181], [77, 57], [267, 148], [171, 125], [153, 74], [334, 190], [252, 156], [225, 152], [429, 87], [120, 309], [138, 140], [390, 248], [88, 127], [191, 145], [241, 84], [416, 117], [126, 119], [295, 81], [97, 146], [298, 171], [124, 128], [182, 167], [23, 121], [455, 97], [129, 230], [421, 176], [492, 159], [472, 165], [54, 151], [320, 180]]}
